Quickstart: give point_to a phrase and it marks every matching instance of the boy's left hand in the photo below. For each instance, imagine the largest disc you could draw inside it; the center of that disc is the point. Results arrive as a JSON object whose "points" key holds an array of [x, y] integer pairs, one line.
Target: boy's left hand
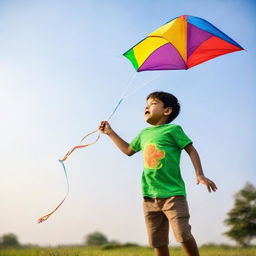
{"points": [[210, 184]]}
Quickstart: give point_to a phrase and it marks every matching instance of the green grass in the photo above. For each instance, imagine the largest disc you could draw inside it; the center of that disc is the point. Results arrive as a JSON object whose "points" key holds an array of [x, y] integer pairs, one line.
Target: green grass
{"points": [[130, 251]]}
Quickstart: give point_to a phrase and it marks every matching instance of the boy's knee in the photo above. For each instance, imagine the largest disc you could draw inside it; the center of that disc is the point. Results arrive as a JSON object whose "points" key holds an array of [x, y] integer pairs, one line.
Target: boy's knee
{"points": [[156, 243], [183, 236]]}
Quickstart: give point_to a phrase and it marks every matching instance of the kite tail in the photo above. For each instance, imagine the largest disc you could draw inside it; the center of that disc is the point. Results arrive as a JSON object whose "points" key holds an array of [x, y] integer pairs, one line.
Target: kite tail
{"points": [[123, 96], [81, 146], [45, 217]]}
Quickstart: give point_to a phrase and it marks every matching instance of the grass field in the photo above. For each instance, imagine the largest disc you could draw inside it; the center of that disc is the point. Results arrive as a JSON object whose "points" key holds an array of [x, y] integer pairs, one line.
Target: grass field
{"points": [[131, 251]]}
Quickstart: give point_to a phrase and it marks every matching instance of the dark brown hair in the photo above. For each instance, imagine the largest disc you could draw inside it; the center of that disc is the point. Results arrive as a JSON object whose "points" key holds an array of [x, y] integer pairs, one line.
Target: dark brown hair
{"points": [[169, 100]]}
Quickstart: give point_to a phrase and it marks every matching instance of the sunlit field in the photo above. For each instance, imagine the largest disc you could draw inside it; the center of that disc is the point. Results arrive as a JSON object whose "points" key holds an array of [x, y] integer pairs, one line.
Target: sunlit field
{"points": [[130, 251]]}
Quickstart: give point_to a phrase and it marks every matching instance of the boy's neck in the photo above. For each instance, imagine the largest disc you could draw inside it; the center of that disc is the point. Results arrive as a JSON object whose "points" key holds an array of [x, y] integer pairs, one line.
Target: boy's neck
{"points": [[159, 123]]}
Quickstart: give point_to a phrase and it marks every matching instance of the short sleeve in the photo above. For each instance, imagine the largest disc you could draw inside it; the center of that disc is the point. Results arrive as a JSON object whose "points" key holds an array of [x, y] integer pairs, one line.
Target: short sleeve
{"points": [[180, 137], [135, 144]]}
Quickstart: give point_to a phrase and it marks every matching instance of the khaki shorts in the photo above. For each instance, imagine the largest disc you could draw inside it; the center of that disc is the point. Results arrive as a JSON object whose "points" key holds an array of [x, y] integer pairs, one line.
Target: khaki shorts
{"points": [[159, 212]]}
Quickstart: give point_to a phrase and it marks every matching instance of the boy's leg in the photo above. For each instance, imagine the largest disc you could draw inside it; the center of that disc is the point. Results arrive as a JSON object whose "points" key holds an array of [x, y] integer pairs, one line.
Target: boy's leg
{"points": [[176, 209], [190, 247], [162, 251], [157, 226]]}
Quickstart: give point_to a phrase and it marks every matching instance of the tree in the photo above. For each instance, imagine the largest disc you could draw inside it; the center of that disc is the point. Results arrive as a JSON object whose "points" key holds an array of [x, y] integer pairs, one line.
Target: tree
{"points": [[242, 218], [95, 239], [9, 240]]}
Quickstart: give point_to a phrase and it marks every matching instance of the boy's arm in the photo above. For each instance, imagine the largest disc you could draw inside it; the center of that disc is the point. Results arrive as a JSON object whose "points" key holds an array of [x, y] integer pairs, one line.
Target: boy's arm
{"points": [[120, 143], [200, 178]]}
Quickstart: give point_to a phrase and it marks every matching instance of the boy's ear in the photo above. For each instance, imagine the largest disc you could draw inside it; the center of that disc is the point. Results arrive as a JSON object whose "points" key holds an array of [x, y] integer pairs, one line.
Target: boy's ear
{"points": [[168, 111]]}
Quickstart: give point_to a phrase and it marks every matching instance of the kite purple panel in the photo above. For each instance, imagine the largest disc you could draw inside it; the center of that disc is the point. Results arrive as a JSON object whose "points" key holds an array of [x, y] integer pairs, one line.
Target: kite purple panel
{"points": [[196, 37], [165, 57]]}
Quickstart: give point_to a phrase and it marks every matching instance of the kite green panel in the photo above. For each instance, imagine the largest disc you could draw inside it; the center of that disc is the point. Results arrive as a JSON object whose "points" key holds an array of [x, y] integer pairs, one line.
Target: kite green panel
{"points": [[130, 55]]}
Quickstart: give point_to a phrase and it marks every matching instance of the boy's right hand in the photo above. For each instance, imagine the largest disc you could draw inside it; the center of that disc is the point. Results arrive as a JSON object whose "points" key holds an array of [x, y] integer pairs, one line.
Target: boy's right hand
{"points": [[105, 128]]}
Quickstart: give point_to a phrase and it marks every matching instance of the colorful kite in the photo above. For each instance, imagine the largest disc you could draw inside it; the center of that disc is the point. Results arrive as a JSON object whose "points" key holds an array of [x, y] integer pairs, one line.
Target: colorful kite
{"points": [[181, 43]]}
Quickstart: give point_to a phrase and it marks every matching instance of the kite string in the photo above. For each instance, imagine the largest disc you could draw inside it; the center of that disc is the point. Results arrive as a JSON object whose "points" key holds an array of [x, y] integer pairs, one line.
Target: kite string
{"points": [[139, 87], [128, 85], [121, 98], [116, 106]]}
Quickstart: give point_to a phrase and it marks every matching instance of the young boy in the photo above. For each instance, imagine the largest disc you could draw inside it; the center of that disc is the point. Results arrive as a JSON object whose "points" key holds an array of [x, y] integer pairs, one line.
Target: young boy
{"points": [[163, 188]]}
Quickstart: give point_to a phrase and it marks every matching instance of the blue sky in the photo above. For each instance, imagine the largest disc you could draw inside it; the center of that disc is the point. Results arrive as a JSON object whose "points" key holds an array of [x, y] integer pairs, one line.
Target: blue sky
{"points": [[62, 71]]}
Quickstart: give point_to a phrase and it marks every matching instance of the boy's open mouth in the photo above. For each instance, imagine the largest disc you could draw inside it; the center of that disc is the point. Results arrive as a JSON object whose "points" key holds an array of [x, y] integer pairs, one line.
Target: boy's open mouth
{"points": [[146, 112]]}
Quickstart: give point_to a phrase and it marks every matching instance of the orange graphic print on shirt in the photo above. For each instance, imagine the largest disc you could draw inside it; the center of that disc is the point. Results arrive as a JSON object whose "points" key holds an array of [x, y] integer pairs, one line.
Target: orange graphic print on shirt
{"points": [[152, 157]]}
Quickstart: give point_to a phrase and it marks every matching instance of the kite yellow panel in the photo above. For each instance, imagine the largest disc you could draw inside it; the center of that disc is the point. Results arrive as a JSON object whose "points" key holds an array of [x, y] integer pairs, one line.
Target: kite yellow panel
{"points": [[163, 29], [176, 33]]}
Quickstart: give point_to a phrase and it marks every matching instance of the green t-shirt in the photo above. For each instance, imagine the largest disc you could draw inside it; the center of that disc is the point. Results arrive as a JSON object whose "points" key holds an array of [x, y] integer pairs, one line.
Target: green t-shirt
{"points": [[161, 146]]}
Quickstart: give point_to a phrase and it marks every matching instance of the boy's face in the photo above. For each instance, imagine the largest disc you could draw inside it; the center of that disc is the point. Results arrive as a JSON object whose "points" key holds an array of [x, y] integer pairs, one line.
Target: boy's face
{"points": [[155, 113]]}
